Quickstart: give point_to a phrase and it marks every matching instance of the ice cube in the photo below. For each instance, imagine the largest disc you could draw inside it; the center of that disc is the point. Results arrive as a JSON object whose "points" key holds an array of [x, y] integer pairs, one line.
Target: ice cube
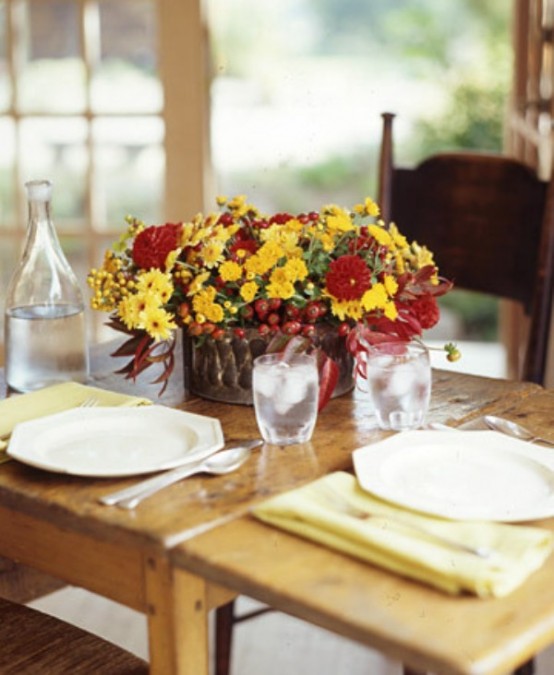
{"points": [[265, 382]]}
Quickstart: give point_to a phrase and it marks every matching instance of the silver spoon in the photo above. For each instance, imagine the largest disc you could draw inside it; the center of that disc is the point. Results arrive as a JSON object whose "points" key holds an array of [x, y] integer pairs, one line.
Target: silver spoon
{"points": [[217, 464], [513, 429]]}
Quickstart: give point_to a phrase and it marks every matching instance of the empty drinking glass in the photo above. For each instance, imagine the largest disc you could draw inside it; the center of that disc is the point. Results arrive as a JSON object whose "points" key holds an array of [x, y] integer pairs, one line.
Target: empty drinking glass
{"points": [[285, 396], [399, 379]]}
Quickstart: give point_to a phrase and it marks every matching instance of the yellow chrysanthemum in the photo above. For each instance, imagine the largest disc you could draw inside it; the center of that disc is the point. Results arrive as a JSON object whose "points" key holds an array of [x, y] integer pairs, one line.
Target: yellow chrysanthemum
{"points": [[248, 291], [327, 241], [230, 271], [280, 289], [368, 208], [158, 323], [375, 298], [157, 283], [346, 309], [380, 235], [132, 309], [391, 285], [198, 282], [390, 311], [398, 239], [214, 312], [296, 270], [212, 253], [286, 240], [339, 221]]}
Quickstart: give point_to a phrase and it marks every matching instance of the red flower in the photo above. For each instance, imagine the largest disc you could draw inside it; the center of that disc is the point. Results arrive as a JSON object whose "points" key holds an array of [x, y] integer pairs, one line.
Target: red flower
{"points": [[249, 246], [153, 245], [348, 277], [426, 311]]}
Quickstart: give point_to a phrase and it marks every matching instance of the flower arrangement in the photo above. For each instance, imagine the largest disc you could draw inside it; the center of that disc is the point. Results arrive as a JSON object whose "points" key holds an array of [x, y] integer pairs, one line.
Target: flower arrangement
{"points": [[283, 274]]}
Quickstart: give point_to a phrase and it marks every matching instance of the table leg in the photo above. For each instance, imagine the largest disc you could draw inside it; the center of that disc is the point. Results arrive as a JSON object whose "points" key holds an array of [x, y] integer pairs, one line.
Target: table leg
{"points": [[177, 620]]}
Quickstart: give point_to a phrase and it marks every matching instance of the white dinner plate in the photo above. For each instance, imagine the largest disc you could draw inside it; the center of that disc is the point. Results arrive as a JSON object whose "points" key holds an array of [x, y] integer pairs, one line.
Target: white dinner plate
{"points": [[118, 441], [461, 475]]}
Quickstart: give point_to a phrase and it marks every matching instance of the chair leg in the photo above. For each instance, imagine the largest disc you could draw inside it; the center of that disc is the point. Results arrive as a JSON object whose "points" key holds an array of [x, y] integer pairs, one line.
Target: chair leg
{"points": [[526, 669], [223, 638]]}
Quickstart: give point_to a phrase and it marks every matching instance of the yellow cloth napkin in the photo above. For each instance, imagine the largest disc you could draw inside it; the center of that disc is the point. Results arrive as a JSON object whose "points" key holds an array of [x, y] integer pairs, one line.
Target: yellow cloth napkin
{"points": [[54, 399], [319, 511]]}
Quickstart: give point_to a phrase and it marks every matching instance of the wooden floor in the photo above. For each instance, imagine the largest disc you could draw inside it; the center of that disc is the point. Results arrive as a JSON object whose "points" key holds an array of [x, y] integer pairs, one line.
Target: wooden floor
{"points": [[272, 644]]}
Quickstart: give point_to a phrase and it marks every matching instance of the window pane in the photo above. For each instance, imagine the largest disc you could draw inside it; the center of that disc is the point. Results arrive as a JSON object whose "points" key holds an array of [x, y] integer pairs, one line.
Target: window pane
{"points": [[7, 192], [126, 78], [130, 167], [53, 73], [5, 84], [55, 149]]}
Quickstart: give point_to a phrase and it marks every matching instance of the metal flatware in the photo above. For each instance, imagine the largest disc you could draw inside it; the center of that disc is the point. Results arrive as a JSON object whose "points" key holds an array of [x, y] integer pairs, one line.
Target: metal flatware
{"points": [[219, 463], [514, 429], [343, 505]]}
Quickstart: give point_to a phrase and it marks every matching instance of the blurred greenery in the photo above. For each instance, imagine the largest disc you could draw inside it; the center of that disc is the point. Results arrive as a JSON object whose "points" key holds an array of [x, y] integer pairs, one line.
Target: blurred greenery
{"points": [[463, 45]]}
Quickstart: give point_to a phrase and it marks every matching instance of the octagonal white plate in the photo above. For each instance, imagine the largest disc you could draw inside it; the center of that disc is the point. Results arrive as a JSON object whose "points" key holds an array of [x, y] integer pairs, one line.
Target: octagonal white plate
{"points": [[118, 441], [461, 475]]}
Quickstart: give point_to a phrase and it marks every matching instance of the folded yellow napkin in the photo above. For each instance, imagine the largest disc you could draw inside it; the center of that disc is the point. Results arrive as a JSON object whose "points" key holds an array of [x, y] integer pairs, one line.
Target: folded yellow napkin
{"points": [[329, 511], [57, 398]]}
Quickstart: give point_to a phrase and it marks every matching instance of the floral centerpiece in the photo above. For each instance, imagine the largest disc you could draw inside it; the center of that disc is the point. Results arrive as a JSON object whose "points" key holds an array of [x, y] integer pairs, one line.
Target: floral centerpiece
{"points": [[236, 271]]}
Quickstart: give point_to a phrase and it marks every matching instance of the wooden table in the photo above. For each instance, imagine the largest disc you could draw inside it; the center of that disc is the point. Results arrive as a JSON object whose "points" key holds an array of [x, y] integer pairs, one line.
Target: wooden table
{"points": [[55, 524]]}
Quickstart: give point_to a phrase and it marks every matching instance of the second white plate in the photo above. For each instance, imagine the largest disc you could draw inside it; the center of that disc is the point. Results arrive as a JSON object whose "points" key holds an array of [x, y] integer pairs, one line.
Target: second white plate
{"points": [[115, 441], [462, 475]]}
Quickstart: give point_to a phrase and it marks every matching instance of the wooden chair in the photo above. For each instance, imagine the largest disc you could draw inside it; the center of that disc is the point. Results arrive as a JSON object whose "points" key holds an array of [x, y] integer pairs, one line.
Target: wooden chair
{"points": [[489, 220], [490, 223], [34, 643]]}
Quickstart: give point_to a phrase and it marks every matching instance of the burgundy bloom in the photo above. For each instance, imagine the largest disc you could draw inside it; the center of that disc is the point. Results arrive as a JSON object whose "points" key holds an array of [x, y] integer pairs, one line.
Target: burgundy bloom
{"points": [[426, 311], [348, 278], [153, 245], [250, 246]]}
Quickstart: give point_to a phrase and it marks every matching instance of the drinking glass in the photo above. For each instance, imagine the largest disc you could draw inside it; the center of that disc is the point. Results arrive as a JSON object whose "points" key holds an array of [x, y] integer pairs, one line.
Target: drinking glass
{"points": [[399, 379], [285, 393]]}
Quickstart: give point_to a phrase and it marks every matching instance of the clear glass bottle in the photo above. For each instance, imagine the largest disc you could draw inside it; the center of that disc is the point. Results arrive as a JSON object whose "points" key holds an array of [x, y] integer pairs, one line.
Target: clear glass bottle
{"points": [[45, 334]]}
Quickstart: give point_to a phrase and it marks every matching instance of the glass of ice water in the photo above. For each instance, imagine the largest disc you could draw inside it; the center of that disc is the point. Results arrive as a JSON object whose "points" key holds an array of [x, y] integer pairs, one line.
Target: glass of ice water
{"points": [[285, 393], [399, 379]]}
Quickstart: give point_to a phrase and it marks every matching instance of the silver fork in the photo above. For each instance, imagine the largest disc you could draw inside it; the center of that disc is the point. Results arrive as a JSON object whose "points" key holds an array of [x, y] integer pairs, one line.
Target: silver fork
{"points": [[349, 509], [90, 402]]}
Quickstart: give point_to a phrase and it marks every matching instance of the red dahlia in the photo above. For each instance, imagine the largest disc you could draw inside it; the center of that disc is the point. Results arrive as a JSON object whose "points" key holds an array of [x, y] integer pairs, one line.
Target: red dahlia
{"points": [[426, 311], [153, 245], [348, 277]]}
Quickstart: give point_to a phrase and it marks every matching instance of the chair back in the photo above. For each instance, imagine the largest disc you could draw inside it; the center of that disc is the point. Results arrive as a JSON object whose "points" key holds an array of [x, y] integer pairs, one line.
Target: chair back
{"points": [[488, 219]]}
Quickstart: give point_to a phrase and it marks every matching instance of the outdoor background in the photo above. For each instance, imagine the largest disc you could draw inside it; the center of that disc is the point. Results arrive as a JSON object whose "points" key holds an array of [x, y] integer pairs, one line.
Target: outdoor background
{"points": [[297, 90]]}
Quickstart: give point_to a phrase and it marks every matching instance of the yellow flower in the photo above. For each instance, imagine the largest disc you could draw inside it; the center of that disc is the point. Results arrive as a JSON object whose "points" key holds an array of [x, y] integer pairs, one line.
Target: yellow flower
{"points": [[391, 285], [390, 311], [132, 308], [398, 239], [346, 309], [198, 282], [368, 208], [248, 291], [158, 323], [380, 235], [375, 298], [214, 312], [157, 283], [296, 270], [339, 221], [212, 253], [230, 271], [280, 289]]}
